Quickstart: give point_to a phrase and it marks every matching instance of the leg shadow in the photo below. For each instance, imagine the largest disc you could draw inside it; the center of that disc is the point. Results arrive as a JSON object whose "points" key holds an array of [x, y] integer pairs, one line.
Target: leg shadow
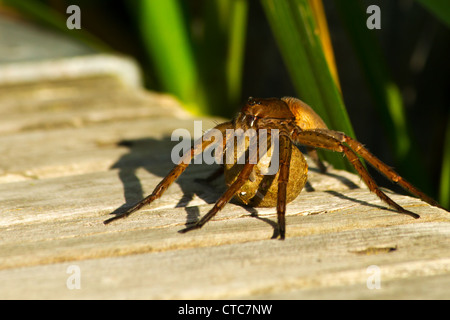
{"points": [[150, 154], [365, 203]]}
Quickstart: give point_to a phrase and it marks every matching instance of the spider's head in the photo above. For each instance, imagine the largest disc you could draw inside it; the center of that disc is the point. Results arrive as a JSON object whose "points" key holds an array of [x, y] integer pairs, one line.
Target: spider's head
{"points": [[266, 108]]}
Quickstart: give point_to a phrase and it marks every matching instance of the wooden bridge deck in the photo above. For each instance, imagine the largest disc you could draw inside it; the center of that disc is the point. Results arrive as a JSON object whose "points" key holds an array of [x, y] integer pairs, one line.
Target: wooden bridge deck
{"points": [[73, 151]]}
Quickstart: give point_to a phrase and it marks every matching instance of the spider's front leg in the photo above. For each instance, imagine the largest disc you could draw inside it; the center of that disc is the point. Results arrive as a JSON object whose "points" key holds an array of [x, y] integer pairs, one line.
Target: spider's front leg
{"points": [[337, 141], [198, 148], [283, 179], [224, 199], [230, 192]]}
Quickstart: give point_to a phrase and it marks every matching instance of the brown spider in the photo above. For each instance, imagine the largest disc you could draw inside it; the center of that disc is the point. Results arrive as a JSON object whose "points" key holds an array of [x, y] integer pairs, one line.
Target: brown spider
{"points": [[297, 124]]}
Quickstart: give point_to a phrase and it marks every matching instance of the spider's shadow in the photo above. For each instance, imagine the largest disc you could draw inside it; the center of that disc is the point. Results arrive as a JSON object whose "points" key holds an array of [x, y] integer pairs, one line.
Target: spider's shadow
{"points": [[148, 153], [142, 154]]}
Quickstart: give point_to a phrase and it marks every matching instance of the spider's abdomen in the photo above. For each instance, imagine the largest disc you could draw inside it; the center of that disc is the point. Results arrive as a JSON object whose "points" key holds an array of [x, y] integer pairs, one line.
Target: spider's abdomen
{"points": [[305, 117], [262, 190]]}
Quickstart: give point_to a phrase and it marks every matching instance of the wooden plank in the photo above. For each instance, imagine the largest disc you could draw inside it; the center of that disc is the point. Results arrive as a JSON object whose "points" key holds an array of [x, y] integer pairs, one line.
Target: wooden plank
{"points": [[98, 147], [78, 103], [249, 269], [58, 183], [40, 231]]}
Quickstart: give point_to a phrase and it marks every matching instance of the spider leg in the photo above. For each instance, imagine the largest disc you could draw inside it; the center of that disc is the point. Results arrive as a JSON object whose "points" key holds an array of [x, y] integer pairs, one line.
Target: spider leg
{"points": [[283, 178], [224, 199], [387, 171], [229, 193], [333, 140], [198, 148], [368, 180]]}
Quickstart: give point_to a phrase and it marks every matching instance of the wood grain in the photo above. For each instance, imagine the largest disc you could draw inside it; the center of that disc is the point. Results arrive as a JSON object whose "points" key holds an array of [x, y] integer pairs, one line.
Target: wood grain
{"points": [[72, 152]]}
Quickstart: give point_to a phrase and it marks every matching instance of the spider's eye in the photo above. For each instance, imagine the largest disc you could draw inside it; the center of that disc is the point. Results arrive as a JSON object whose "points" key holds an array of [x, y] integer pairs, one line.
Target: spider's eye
{"points": [[252, 101]]}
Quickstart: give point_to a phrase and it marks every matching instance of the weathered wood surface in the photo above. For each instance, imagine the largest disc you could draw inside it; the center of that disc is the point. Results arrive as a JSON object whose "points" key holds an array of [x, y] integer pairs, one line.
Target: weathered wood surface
{"points": [[71, 152]]}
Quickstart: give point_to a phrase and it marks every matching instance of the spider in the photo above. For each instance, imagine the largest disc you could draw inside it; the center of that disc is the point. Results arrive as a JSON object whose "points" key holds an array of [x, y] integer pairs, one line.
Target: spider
{"points": [[297, 124]]}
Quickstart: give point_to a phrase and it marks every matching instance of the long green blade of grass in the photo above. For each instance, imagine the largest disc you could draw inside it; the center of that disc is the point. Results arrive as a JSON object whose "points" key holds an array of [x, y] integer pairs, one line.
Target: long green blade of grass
{"points": [[167, 40], [221, 53], [294, 28], [236, 49], [205, 76]]}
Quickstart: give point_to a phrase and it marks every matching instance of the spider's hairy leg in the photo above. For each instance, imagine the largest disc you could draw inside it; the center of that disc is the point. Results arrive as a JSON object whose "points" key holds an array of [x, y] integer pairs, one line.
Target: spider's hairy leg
{"points": [[283, 178], [203, 142], [368, 180], [387, 171], [331, 140], [230, 192], [224, 199]]}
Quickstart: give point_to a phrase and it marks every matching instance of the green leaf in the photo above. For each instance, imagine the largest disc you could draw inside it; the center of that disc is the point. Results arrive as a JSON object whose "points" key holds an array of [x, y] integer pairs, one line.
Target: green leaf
{"points": [[167, 40], [236, 49], [294, 28], [204, 71], [221, 53]]}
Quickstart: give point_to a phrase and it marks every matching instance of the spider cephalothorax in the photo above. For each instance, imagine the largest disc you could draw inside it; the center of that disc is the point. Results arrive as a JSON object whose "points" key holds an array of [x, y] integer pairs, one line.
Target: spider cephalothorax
{"points": [[287, 122]]}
